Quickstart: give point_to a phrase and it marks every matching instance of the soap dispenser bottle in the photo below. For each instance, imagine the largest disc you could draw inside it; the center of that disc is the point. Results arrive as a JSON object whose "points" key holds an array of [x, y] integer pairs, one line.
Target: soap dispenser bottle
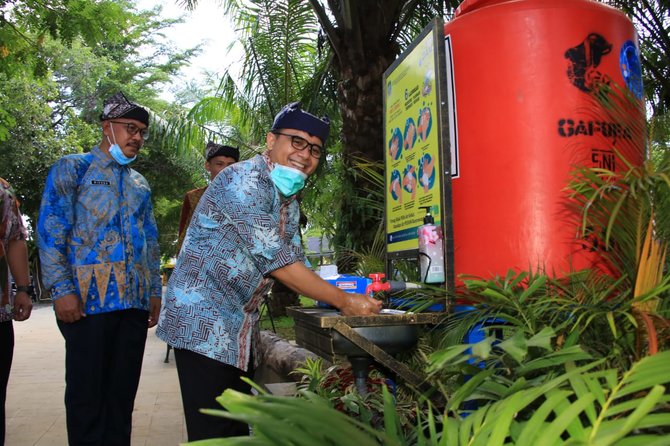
{"points": [[431, 249]]}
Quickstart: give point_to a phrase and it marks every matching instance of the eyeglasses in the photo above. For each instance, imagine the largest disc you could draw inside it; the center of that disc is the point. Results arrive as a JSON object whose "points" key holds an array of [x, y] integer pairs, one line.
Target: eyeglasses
{"points": [[132, 129], [300, 143]]}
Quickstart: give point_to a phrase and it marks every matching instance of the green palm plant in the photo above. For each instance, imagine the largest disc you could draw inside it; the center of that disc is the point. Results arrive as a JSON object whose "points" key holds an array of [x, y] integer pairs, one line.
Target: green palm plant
{"points": [[491, 369], [573, 404], [585, 307], [583, 406], [367, 203], [210, 119], [282, 61], [622, 205], [628, 212], [281, 64]]}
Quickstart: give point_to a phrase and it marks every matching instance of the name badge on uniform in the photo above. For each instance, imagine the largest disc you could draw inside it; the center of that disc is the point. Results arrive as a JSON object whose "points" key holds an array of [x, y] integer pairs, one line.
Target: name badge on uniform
{"points": [[101, 182]]}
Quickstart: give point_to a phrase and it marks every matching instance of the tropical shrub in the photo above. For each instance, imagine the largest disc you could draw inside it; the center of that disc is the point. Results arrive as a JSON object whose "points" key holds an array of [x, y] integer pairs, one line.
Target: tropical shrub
{"points": [[586, 308], [582, 404], [336, 384]]}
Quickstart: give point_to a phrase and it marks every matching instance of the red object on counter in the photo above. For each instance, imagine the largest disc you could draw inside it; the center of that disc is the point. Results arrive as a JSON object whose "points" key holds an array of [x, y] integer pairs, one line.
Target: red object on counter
{"points": [[377, 285]]}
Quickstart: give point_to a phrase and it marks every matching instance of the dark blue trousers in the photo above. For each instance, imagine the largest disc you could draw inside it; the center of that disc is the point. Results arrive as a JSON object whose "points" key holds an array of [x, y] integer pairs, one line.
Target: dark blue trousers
{"points": [[103, 361]]}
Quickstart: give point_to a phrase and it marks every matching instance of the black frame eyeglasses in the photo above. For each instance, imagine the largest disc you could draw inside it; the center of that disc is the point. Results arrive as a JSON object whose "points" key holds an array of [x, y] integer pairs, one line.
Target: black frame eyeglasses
{"points": [[132, 129], [300, 143]]}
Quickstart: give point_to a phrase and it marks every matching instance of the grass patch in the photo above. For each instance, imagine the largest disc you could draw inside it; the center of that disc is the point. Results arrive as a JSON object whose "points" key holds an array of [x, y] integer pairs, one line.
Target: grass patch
{"points": [[283, 325]]}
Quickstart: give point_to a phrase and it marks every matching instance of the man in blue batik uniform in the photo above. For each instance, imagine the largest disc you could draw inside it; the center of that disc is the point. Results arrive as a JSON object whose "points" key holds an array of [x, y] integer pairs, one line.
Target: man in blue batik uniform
{"points": [[243, 234], [98, 246]]}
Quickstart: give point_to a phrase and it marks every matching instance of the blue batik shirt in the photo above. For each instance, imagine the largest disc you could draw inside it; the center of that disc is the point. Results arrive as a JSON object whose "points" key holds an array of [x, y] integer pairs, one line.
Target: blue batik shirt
{"points": [[97, 235], [241, 231]]}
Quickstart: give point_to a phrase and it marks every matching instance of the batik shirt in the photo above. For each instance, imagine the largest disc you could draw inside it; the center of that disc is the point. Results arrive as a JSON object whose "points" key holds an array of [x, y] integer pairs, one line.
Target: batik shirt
{"points": [[191, 200], [11, 229], [241, 231], [97, 235]]}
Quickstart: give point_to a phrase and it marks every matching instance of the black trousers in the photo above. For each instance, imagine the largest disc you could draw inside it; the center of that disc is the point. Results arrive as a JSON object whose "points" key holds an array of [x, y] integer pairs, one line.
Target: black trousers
{"points": [[103, 361], [201, 380], [6, 354]]}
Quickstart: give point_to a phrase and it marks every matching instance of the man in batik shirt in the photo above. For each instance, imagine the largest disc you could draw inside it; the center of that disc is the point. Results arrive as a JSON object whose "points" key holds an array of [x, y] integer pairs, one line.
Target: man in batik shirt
{"points": [[14, 260], [99, 250], [243, 234], [217, 158]]}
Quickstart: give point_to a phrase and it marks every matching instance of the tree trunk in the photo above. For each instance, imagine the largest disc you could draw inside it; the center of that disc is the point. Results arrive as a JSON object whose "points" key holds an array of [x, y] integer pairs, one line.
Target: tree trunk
{"points": [[360, 100], [282, 357], [364, 37], [363, 41]]}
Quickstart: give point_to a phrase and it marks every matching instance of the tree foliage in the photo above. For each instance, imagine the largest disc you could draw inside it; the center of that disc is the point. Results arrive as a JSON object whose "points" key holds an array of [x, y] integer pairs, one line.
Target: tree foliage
{"points": [[336, 53], [25, 27], [365, 38], [35, 142], [282, 64], [170, 177], [25, 24], [59, 60], [652, 22]]}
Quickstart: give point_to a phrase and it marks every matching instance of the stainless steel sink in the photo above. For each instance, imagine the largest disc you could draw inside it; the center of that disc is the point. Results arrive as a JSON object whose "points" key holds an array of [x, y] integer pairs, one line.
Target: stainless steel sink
{"points": [[318, 330], [394, 332], [390, 338]]}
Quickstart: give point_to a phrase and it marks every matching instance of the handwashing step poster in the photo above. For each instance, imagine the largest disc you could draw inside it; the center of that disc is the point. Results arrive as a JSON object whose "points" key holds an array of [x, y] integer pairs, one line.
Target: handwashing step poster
{"points": [[415, 140]]}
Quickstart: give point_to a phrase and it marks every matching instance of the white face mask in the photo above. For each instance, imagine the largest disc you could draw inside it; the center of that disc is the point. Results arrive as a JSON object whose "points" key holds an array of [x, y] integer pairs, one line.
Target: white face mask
{"points": [[116, 152]]}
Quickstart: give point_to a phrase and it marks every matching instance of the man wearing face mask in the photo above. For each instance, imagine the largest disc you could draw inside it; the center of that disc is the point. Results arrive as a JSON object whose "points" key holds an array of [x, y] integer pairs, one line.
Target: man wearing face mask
{"points": [[243, 235], [98, 247], [217, 158]]}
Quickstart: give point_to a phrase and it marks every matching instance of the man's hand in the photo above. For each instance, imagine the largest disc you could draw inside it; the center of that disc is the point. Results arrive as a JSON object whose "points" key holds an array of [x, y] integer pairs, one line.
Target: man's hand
{"points": [[69, 308], [154, 310], [360, 305], [23, 306]]}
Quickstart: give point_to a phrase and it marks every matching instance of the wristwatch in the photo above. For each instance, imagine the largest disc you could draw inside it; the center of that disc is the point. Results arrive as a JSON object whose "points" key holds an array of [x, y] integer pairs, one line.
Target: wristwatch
{"points": [[28, 289]]}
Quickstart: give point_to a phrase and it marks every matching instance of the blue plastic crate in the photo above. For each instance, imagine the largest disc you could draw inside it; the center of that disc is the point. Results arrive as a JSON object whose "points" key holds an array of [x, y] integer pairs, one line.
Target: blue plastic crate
{"points": [[350, 284], [476, 334]]}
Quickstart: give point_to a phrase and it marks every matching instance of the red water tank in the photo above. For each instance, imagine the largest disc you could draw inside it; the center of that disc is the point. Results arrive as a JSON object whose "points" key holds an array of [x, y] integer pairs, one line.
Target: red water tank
{"points": [[523, 116]]}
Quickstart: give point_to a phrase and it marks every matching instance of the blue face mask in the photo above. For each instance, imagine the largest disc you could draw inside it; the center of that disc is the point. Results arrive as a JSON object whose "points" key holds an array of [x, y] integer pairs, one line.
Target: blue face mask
{"points": [[118, 155], [288, 180], [116, 152]]}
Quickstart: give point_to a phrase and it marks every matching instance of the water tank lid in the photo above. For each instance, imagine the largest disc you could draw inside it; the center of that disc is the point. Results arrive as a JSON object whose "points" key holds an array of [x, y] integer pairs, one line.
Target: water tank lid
{"points": [[470, 5]]}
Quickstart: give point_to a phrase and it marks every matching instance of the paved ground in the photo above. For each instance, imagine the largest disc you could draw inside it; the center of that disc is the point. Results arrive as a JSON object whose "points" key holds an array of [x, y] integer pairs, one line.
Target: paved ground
{"points": [[35, 410]]}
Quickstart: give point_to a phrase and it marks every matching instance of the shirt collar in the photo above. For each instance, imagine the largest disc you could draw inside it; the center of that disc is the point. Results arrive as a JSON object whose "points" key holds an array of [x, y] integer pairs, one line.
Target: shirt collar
{"points": [[103, 158]]}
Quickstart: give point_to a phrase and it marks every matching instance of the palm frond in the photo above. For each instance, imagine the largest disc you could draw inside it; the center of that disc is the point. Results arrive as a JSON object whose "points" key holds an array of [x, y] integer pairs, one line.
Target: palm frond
{"points": [[650, 264], [582, 405]]}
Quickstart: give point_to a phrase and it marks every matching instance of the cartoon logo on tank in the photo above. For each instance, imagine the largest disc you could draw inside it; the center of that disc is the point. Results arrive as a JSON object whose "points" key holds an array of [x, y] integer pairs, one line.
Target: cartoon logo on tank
{"points": [[583, 62], [584, 59]]}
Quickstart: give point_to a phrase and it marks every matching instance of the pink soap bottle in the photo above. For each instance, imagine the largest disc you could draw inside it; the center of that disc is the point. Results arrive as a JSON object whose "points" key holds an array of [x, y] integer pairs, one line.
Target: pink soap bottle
{"points": [[431, 250]]}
